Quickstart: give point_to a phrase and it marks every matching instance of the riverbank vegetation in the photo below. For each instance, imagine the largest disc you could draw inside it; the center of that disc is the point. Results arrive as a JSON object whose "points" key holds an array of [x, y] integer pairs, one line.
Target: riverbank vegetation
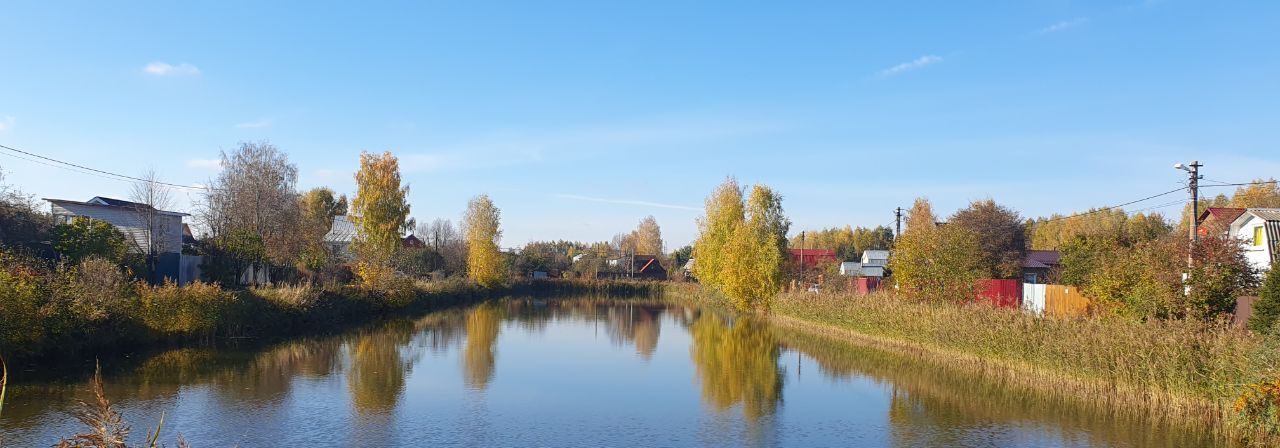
{"points": [[74, 311], [1177, 370]]}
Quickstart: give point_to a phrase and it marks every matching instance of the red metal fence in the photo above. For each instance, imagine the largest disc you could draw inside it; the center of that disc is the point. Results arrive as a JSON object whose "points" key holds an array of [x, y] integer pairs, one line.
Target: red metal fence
{"points": [[1001, 293]]}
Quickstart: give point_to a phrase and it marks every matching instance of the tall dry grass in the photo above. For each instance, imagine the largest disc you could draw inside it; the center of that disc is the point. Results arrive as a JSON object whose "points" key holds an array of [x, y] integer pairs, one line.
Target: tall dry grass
{"points": [[1163, 369], [104, 426]]}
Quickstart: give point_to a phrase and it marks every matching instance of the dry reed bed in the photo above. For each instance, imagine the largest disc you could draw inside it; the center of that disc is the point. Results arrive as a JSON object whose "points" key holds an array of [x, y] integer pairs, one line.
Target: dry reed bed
{"points": [[925, 386], [1166, 371]]}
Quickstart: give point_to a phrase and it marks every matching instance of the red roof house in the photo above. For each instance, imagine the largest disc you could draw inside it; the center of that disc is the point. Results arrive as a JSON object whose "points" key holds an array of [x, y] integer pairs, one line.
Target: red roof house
{"points": [[809, 258], [1216, 220]]}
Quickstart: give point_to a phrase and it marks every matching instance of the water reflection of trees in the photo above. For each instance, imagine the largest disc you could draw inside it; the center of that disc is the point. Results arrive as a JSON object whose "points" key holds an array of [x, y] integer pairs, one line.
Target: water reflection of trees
{"points": [[935, 404], [737, 363], [635, 324], [478, 356], [378, 367], [378, 359]]}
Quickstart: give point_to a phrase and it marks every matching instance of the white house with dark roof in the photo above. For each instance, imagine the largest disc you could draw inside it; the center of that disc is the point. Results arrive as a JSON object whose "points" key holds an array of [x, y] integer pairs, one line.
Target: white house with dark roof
{"points": [[129, 217], [1260, 230], [873, 263]]}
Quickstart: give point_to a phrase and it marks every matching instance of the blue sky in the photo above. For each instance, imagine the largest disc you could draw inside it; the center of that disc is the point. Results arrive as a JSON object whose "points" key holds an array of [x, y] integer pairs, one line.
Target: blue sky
{"points": [[580, 118]]}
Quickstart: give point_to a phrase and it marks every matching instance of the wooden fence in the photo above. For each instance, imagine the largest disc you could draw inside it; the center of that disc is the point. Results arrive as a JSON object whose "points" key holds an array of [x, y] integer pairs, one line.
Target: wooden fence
{"points": [[1064, 301]]}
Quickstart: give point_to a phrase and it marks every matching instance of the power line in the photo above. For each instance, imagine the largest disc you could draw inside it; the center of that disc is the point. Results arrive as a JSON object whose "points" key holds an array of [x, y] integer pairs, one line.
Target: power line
{"points": [[123, 177], [41, 162], [1103, 209], [1240, 184]]}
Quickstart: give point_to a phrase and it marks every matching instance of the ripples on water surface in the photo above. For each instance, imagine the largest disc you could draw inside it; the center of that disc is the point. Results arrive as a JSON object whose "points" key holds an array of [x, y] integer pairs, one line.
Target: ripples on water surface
{"points": [[569, 373]]}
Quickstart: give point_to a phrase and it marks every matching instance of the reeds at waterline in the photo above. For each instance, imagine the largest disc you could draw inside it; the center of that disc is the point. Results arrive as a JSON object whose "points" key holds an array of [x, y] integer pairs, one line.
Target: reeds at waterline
{"points": [[105, 427], [1176, 371]]}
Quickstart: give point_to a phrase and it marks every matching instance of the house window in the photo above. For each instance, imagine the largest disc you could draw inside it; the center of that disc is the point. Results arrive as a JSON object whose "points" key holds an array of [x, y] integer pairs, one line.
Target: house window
{"points": [[1258, 238], [1030, 277]]}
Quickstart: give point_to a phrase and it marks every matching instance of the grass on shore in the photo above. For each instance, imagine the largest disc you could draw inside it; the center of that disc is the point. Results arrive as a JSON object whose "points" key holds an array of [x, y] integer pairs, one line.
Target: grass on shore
{"points": [[1168, 371]]}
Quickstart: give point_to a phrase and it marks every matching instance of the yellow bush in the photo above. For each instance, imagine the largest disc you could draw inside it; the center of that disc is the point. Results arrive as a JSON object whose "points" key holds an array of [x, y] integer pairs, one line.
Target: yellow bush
{"points": [[1259, 404], [189, 310], [22, 323]]}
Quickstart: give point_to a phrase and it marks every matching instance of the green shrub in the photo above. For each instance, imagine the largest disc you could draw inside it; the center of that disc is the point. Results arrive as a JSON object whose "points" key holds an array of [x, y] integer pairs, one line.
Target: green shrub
{"points": [[1267, 309], [84, 237]]}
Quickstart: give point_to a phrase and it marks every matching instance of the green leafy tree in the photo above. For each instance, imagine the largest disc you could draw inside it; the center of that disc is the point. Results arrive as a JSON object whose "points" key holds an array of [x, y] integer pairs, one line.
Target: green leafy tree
{"points": [[935, 263], [379, 212], [1141, 281], [485, 262], [318, 207], [1220, 274], [23, 225], [1266, 311], [681, 256], [1001, 237], [85, 237]]}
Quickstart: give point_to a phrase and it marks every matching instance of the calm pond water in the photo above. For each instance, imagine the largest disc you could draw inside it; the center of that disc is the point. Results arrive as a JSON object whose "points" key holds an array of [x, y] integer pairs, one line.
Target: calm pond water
{"points": [[569, 373]]}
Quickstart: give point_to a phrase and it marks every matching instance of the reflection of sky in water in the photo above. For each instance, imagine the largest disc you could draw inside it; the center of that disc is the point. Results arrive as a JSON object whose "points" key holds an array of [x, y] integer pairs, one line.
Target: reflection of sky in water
{"points": [[572, 375]]}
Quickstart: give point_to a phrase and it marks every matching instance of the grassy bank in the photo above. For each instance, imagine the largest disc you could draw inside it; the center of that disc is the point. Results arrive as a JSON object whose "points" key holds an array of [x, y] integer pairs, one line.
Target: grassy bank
{"points": [[50, 318], [1183, 371]]}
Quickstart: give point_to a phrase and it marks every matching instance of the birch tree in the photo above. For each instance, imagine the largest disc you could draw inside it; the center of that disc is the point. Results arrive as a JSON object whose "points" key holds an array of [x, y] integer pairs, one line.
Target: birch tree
{"points": [[379, 211], [724, 212], [152, 197], [648, 237], [482, 221]]}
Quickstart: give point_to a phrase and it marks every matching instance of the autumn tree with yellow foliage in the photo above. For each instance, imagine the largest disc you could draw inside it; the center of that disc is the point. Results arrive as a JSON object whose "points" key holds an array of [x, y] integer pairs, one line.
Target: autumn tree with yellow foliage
{"points": [[741, 249], [379, 211], [648, 237], [932, 262], [724, 212], [485, 264]]}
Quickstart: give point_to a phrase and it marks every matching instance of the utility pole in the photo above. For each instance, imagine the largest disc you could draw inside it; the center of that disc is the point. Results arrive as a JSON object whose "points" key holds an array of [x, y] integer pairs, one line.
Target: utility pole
{"points": [[1193, 187], [802, 247], [897, 218]]}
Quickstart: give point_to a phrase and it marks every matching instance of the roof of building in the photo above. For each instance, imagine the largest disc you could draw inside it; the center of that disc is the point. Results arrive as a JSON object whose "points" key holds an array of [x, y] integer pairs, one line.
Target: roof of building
{"points": [[875, 254], [99, 201], [1226, 214], [1042, 259], [188, 237], [1265, 214], [412, 241], [342, 231], [813, 252], [650, 263]]}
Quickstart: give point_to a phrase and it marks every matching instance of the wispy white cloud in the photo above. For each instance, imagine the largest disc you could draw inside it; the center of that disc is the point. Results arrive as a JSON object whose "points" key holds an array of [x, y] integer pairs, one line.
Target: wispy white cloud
{"points": [[6, 123], [166, 69], [265, 122], [206, 164], [1063, 25], [506, 148], [626, 202], [920, 62]]}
